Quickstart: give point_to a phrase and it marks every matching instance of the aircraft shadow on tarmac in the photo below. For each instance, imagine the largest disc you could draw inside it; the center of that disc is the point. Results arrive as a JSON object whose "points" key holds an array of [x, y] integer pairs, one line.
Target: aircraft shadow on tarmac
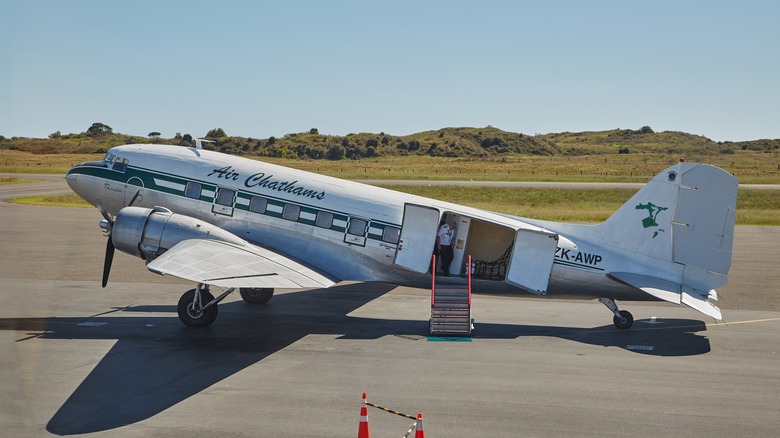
{"points": [[157, 363]]}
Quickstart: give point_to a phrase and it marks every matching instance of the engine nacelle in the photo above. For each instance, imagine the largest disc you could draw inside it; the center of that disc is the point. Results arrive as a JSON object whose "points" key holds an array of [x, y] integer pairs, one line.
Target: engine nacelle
{"points": [[147, 233]]}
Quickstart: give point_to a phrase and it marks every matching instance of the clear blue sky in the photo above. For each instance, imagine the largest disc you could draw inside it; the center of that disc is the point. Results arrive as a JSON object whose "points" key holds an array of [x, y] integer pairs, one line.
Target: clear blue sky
{"points": [[260, 69]]}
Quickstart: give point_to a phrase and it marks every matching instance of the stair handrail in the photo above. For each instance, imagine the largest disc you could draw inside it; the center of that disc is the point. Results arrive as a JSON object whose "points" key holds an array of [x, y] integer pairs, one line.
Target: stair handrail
{"points": [[468, 269], [433, 280]]}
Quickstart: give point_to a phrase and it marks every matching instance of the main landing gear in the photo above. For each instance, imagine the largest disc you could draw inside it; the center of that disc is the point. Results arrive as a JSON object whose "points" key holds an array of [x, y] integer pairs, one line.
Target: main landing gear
{"points": [[256, 295], [198, 307], [623, 318]]}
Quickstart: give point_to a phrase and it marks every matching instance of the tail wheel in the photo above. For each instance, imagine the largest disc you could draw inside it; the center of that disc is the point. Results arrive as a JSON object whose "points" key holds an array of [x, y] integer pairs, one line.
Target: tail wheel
{"points": [[256, 295], [192, 314], [625, 322]]}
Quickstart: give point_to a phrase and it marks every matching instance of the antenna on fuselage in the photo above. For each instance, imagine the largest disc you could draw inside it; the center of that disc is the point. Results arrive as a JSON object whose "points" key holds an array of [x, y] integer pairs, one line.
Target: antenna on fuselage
{"points": [[199, 143]]}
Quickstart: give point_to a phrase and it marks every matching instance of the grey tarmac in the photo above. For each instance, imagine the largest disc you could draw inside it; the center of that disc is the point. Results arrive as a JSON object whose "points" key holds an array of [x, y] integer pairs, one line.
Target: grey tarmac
{"points": [[81, 360]]}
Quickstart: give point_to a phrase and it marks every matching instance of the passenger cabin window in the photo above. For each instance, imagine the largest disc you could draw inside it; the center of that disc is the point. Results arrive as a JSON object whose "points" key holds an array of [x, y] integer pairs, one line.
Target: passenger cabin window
{"points": [[391, 234], [193, 190], [258, 204], [225, 197], [324, 219], [357, 227], [291, 212]]}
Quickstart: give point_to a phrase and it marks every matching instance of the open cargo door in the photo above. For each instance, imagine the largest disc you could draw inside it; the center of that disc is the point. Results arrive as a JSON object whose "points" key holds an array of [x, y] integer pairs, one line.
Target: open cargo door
{"points": [[418, 237], [532, 259]]}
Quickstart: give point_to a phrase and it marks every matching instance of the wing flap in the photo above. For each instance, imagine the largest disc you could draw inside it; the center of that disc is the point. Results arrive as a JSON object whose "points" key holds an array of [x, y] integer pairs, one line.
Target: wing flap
{"points": [[226, 264]]}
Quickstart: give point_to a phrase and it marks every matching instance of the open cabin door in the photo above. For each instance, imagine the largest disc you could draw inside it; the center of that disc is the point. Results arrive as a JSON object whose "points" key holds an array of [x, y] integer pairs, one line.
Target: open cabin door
{"points": [[532, 259], [418, 237]]}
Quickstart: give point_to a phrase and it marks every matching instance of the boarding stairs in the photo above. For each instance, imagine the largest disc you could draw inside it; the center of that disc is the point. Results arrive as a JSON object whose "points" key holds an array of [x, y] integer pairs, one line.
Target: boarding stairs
{"points": [[450, 304]]}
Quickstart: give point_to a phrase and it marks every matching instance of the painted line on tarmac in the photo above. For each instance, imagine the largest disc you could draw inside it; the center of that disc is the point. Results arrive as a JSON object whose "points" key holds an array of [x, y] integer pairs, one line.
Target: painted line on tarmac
{"points": [[752, 321]]}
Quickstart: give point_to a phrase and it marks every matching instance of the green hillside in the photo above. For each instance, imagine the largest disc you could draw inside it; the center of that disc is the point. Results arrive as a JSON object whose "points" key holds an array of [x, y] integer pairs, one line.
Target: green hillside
{"points": [[488, 142]]}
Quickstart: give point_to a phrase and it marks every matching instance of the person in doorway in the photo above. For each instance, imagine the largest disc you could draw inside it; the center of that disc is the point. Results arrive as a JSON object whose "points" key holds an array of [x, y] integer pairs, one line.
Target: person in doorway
{"points": [[444, 240]]}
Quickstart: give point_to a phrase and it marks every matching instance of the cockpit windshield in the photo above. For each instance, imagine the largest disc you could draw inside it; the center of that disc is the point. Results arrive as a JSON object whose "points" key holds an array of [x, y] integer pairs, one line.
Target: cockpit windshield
{"points": [[109, 158], [115, 162]]}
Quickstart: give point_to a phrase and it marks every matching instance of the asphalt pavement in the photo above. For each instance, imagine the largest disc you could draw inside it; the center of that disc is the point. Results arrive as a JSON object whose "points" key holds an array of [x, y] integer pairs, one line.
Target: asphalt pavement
{"points": [[81, 360]]}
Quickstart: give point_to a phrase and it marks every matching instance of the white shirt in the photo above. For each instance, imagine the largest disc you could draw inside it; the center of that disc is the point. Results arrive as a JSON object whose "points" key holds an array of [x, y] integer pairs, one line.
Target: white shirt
{"points": [[445, 235]]}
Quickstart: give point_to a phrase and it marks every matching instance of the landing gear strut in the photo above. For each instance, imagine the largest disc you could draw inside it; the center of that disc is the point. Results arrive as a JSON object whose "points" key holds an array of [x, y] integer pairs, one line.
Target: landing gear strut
{"points": [[198, 308], [623, 318]]}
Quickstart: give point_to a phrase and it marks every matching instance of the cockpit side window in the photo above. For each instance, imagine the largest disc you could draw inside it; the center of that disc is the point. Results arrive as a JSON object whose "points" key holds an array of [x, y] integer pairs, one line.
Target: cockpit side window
{"points": [[120, 164]]}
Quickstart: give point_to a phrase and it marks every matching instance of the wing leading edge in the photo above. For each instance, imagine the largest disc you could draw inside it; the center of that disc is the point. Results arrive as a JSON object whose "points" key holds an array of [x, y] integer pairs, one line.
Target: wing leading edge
{"points": [[225, 264]]}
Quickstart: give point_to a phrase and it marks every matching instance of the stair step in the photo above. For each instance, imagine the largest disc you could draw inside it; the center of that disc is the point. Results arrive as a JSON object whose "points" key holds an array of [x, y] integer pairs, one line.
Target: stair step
{"points": [[443, 331], [442, 290], [451, 319], [440, 326], [438, 295], [465, 317], [465, 324], [450, 312], [450, 297], [450, 305]]}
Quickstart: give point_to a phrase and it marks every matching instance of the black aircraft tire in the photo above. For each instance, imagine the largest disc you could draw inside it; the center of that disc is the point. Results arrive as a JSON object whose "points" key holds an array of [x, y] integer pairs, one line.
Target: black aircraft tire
{"points": [[624, 323], [256, 295], [192, 318]]}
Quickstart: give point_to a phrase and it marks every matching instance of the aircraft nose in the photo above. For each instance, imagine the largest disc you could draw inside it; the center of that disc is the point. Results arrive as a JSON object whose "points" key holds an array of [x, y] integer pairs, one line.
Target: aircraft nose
{"points": [[76, 181], [72, 178]]}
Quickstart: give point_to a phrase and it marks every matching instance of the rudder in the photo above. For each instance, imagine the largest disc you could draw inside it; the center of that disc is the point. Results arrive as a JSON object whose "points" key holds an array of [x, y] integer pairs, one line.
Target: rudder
{"points": [[684, 214]]}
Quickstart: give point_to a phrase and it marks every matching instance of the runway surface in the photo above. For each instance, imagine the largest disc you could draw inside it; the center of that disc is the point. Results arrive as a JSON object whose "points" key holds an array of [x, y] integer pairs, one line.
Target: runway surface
{"points": [[78, 359]]}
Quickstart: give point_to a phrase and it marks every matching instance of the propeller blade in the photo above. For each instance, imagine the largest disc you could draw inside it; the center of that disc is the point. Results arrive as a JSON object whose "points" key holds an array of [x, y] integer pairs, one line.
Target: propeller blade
{"points": [[108, 260], [103, 211], [134, 198]]}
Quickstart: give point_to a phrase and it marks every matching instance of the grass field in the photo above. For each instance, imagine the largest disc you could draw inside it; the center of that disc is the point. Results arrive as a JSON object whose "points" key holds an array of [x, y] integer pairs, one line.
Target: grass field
{"points": [[71, 200], [750, 167], [754, 207]]}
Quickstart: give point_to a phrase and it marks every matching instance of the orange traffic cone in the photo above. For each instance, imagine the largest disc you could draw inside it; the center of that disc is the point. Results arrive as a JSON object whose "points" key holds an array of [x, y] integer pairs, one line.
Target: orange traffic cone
{"points": [[363, 431], [420, 432]]}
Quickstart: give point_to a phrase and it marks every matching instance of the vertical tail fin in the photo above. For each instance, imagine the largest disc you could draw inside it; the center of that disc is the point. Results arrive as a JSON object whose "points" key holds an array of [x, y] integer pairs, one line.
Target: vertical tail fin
{"points": [[685, 215]]}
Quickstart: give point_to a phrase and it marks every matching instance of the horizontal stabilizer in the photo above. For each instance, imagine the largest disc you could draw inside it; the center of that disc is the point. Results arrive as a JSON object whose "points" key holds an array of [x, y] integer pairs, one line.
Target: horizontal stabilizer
{"points": [[700, 302], [672, 292], [226, 264]]}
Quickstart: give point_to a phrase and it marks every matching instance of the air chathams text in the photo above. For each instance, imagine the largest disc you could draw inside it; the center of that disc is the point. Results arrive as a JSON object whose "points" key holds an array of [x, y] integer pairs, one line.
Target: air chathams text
{"points": [[268, 182]]}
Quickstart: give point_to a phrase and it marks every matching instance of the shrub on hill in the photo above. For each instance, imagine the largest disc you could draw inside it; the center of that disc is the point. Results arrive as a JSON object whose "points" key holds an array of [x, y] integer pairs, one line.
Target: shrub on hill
{"points": [[479, 143]]}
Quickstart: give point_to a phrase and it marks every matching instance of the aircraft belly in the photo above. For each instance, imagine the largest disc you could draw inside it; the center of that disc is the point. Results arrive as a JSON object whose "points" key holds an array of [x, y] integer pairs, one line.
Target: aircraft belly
{"points": [[573, 283]]}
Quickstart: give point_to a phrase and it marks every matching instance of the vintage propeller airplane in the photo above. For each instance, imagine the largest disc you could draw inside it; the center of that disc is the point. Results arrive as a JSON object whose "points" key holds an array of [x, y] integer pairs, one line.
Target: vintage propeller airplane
{"points": [[240, 224]]}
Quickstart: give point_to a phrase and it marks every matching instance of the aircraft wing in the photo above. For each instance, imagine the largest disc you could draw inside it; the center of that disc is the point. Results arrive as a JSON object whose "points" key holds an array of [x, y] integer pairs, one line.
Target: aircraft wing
{"points": [[224, 264], [671, 292]]}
